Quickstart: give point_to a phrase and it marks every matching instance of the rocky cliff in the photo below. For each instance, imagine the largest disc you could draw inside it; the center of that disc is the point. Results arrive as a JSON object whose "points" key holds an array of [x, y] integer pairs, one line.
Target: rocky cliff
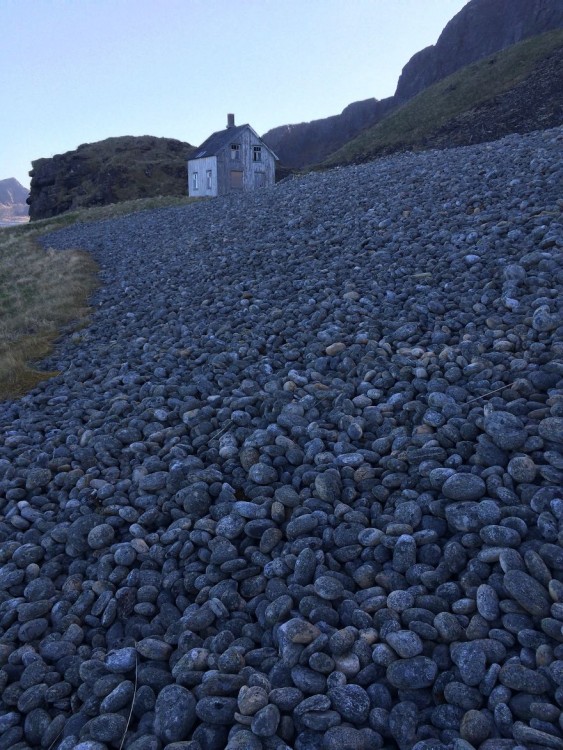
{"points": [[108, 171], [516, 90], [13, 195], [481, 28], [311, 142]]}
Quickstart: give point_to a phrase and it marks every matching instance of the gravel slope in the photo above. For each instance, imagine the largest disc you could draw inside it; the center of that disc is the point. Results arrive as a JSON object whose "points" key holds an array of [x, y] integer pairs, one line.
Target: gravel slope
{"points": [[299, 482]]}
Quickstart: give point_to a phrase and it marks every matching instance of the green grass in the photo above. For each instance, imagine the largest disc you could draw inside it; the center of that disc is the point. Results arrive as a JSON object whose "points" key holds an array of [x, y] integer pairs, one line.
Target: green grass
{"points": [[45, 292], [109, 211], [433, 108]]}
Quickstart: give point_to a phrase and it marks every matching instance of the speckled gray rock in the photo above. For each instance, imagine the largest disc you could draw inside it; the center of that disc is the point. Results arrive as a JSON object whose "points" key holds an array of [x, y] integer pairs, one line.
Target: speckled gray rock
{"points": [[528, 592], [464, 487], [174, 714], [505, 430], [412, 674]]}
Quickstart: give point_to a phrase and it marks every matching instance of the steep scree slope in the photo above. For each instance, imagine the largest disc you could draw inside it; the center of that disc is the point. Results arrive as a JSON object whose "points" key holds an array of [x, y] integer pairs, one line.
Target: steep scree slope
{"points": [[298, 484]]}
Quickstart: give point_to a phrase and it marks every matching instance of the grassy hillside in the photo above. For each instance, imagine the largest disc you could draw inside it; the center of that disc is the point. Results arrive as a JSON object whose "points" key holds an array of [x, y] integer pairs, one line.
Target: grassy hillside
{"points": [[109, 171], [464, 92], [45, 292]]}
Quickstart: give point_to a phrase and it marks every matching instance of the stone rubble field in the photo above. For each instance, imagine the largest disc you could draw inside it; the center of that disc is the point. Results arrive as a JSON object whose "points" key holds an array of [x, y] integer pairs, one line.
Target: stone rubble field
{"points": [[298, 484]]}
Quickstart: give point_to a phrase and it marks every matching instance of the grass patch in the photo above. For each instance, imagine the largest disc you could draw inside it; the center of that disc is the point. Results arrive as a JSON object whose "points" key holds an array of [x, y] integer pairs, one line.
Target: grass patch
{"points": [[45, 292], [41, 291], [433, 108], [109, 211]]}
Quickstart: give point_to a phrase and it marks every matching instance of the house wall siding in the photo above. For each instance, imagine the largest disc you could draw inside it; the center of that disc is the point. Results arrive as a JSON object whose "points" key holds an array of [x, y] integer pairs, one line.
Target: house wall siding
{"points": [[202, 166], [255, 174], [266, 166]]}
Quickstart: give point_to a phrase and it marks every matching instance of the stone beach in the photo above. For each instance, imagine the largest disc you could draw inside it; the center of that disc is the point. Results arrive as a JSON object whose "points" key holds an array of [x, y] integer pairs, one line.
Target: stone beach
{"points": [[298, 484]]}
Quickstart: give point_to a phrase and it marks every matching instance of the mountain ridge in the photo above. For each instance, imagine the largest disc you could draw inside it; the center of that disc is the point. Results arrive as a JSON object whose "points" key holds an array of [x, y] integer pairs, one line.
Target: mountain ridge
{"points": [[478, 30], [516, 90], [13, 196]]}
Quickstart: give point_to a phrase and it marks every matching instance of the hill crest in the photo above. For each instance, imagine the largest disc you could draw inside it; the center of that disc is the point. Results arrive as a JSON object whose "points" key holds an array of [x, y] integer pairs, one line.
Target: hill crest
{"points": [[109, 171]]}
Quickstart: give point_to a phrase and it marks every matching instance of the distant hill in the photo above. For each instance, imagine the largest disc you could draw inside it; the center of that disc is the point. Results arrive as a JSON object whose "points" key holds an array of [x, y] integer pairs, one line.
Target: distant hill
{"points": [[109, 171], [13, 196], [514, 91], [481, 28]]}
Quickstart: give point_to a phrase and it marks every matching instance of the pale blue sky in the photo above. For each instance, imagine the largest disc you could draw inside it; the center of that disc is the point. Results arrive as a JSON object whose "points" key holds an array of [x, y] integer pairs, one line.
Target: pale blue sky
{"points": [[77, 71]]}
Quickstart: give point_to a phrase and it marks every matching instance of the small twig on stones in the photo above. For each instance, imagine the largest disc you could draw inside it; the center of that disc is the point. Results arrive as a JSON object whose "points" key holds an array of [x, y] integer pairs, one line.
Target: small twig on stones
{"points": [[56, 738], [471, 400], [132, 701], [221, 430]]}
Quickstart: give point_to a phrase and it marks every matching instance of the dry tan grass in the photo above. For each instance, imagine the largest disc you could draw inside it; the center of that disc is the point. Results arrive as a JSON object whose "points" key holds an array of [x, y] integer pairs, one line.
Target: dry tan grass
{"points": [[41, 293], [45, 292]]}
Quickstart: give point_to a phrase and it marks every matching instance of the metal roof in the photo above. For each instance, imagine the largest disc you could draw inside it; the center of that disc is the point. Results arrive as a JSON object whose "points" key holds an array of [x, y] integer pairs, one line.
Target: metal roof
{"points": [[216, 141]]}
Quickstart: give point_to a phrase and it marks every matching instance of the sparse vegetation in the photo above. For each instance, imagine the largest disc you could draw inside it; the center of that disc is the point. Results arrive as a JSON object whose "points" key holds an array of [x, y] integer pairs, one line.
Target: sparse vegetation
{"points": [[109, 171], [409, 126], [110, 211], [43, 292]]}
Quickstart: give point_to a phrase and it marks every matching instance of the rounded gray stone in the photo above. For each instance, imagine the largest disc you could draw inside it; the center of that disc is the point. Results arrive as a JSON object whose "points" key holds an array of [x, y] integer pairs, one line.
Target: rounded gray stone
{"points": [[412, 674], [464, 487], [505, 430], [174, 713], [528, 592]]}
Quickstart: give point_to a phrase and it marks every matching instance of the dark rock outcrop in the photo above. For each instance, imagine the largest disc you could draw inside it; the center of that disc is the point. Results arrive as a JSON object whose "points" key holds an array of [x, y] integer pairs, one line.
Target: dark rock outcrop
{"points": [[481, 28], [311, 142], [517, 90], [109, 171]]}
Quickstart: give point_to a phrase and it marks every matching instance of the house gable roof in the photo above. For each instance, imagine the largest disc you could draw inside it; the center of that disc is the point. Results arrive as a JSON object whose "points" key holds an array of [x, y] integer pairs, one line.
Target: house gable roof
{"points": [[217, 141]]}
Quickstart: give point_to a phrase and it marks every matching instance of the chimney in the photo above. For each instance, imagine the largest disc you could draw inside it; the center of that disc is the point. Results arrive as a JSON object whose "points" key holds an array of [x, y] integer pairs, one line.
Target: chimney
{"points": [[230, 121]]}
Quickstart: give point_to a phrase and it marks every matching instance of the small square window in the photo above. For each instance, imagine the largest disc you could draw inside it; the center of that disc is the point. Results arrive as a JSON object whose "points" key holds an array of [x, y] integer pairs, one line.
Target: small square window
{"points": [[235, 151], [257, 154], [195, 180]]}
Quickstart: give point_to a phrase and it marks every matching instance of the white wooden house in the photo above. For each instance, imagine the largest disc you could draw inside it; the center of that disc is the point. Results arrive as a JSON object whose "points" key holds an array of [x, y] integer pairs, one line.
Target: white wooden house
{"points": [[230, 160]]}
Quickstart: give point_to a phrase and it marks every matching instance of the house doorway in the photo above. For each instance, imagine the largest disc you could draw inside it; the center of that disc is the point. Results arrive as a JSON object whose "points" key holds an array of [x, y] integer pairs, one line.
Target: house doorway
{"points": [[259, 179], [236, 179]]}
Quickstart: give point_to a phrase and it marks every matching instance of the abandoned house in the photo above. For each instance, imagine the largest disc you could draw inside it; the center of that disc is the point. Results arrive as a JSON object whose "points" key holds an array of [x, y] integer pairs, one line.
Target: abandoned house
{"points": [[232, 159]]}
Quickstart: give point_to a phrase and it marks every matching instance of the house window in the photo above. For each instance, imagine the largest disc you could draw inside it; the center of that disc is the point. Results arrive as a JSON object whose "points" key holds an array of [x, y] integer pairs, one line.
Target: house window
{"points": [[195, 181], [209, 183], [257, 154], [235, 151]]}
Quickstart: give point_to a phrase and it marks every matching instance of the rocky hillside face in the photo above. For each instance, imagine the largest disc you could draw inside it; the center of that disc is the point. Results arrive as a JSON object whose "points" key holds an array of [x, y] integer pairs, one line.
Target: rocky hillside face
{"points": [[311, 142], [534, 104], [109, 171], [481, 28], [13, 196]]}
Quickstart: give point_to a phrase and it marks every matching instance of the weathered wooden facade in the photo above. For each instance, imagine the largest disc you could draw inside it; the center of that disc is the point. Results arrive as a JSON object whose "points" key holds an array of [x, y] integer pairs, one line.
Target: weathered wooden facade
{"points": [[230, 160]]}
